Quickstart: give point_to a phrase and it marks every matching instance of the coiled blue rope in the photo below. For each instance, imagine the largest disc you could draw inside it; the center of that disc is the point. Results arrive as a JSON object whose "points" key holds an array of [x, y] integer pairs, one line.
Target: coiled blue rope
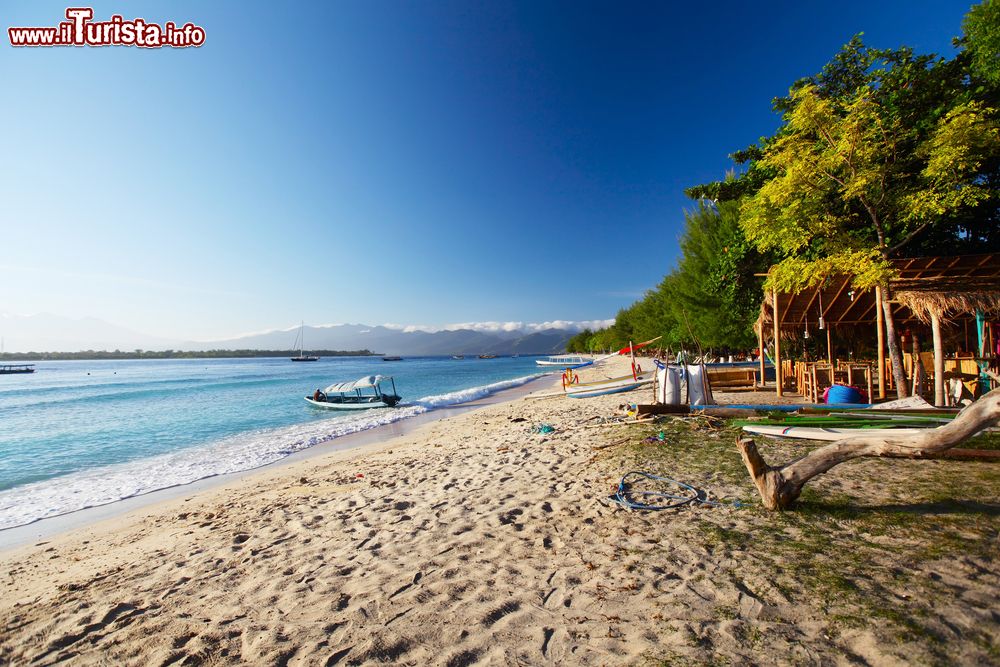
{"points": [[622, 495]]}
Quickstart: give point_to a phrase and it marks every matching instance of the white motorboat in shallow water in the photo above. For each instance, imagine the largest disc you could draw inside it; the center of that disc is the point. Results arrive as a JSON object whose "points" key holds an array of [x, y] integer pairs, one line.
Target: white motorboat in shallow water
{"points": [[565, 361], [363, 393]]}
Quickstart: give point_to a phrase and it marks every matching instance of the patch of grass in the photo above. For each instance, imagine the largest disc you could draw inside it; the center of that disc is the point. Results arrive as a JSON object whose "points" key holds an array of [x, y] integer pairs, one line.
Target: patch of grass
{"points": [[987, 440], [860, 542], [716, 535]]}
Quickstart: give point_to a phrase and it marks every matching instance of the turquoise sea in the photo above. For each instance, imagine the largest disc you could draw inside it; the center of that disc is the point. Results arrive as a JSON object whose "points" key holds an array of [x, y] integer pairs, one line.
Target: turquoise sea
{"points": [[79, 434]]}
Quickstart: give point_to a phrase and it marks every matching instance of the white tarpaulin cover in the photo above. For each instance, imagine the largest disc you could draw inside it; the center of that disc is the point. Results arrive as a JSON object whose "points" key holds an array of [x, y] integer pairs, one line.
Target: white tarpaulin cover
{"points": [[366, 382]]}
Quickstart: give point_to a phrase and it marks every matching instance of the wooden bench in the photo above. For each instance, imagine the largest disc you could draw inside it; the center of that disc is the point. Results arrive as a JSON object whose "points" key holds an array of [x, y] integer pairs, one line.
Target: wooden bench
{"points": [[732, 379]]}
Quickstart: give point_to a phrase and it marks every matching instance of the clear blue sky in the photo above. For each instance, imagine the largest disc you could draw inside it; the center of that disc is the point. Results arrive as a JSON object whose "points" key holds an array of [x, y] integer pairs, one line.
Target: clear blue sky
{"points": [[408, 162]]}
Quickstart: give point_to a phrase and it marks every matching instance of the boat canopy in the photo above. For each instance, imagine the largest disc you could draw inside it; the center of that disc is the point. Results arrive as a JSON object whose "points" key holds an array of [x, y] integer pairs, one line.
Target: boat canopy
{"points": [[366, 382]]}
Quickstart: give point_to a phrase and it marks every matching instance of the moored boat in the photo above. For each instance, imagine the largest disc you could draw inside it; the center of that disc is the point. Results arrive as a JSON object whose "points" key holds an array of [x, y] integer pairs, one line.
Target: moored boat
{"points": [[361, 394], [565, 361], [830, 434], [301, 340], [602, 389], [10, 369]]}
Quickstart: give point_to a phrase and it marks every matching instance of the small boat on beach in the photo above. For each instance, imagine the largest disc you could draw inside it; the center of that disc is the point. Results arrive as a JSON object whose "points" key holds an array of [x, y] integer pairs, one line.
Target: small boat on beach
{"points": [[10, 369], [301, 340], [565, 361], [583, 386], [830, 434], [609, 387], [363, 393]]}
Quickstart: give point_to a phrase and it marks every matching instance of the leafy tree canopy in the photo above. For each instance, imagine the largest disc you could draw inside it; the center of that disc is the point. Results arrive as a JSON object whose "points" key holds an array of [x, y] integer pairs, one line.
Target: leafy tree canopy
{"points": [[982, 41], [882, 153]]}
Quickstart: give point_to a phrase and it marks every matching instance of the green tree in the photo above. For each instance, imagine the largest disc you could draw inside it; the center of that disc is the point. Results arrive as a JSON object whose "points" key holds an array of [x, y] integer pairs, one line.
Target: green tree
{"points": [[982, 40], [855, 178], [714, 292], [580, 342]]}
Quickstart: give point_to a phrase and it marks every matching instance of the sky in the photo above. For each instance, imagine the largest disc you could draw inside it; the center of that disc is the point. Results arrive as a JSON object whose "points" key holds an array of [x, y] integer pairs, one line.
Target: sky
{"points": [[408, 162]]}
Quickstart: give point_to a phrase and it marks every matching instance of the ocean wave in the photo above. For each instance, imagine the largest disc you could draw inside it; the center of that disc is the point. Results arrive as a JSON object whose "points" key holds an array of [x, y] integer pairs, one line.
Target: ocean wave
{"points": [[108, 484], [474, 393]]}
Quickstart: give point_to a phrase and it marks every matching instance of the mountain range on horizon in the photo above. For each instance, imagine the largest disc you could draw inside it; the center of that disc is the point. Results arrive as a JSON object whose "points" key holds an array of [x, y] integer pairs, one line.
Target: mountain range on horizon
{"points": [[53, 333]]}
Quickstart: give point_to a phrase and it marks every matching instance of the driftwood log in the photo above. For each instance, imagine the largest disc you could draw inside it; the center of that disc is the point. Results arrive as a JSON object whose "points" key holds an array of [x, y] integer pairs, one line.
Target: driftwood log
{"points": [[780, 486]]}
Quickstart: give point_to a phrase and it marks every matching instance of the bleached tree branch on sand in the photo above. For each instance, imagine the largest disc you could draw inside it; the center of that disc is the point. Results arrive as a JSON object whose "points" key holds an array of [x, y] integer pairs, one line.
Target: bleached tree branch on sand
{"points": [[780, 486]]}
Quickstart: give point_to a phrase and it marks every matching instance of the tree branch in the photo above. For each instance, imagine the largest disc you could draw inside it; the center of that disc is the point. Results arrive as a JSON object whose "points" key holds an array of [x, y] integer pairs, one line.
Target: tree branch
{"points": [[909, 237], [780, 486]]}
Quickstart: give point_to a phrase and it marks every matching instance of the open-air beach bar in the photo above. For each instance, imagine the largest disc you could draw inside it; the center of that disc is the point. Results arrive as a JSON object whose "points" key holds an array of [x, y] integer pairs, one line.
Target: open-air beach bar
{"points": [[944, 312]]}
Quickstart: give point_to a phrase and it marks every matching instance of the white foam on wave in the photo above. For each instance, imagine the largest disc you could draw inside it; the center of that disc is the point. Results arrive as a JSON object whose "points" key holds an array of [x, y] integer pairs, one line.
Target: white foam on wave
{"points": [[108, 484], [474, 393]]}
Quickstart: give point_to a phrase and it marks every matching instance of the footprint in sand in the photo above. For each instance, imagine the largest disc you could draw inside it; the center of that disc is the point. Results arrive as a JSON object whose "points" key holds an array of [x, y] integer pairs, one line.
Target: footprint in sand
{"points": [[500, 612]]}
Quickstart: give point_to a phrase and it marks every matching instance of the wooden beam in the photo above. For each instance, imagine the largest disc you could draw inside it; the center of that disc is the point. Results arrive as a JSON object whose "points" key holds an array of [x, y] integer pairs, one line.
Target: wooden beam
{"points": [[938, 360], [983, 261], [854, 304], [880, 327], [829, 306], [863, 317], [805, 312], [778, 380], [791, 300], [920, 271]]}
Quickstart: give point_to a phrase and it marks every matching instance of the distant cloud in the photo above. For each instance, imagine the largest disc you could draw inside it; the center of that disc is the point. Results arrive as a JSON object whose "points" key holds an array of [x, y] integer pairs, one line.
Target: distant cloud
{"points": [[491, 327], [508, 327], [572, 325], [410, 328]]}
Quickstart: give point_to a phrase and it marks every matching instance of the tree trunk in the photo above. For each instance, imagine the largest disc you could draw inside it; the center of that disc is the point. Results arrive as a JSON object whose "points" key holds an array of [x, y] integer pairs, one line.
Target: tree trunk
{"points": [[895, 353], [939, 399], [919, 372], [780, 486]]}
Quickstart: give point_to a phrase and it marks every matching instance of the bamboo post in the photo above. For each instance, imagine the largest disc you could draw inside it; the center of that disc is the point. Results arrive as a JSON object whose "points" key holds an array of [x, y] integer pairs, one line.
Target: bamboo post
{"points": [[880, 327], [829, 348], [760, 349], [938, 359], [778, 379], [655, 381]]}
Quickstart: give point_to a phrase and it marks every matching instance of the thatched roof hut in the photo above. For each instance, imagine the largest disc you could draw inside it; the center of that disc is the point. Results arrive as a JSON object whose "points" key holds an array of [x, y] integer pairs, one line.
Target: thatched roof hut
{"points": [[952, 287], [949, 302], [927, 290]]}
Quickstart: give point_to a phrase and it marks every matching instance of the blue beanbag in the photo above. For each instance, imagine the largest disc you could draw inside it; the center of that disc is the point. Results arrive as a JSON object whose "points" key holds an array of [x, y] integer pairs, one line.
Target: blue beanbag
{"points": [[839, 393]]}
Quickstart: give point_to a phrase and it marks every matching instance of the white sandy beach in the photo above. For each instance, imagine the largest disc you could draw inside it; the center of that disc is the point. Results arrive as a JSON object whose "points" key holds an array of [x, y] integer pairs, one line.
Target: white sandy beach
{"points": [[473, 540]]}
